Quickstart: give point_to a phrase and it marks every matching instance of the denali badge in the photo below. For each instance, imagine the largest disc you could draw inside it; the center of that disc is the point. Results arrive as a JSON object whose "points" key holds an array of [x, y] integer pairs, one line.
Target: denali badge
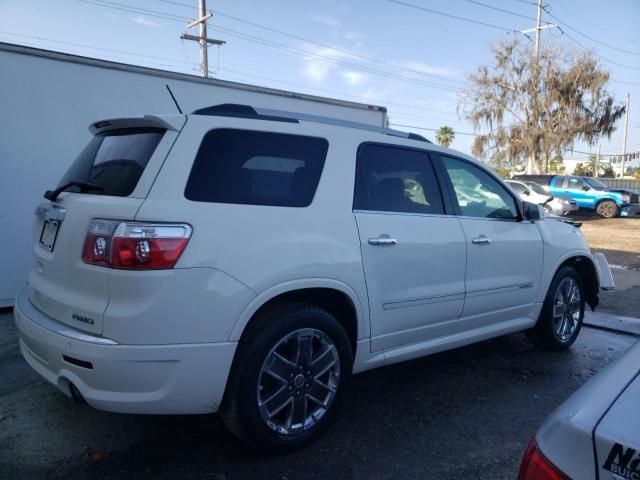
{"points": [[82, 319], [623, 462]]}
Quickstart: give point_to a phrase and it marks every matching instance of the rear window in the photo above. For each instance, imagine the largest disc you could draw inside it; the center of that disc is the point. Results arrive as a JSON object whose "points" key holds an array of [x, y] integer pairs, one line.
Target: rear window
{"points": [[257, 168], [114, 160]]}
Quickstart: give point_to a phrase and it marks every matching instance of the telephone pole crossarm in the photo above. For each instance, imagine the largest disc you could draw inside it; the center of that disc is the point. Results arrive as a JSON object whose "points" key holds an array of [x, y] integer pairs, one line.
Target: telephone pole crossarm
{"points": [[212, 41]]}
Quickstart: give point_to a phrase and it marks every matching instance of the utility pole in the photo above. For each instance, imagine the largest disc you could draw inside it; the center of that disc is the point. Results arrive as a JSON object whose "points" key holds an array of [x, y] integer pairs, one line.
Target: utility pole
{"points": [[597, 165], [531, 164], [202, 39], [624, 137]]}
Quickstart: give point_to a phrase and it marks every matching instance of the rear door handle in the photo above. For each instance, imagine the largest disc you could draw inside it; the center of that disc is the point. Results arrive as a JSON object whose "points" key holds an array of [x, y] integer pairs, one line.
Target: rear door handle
{"points": [[383, 239], [481, 240]]}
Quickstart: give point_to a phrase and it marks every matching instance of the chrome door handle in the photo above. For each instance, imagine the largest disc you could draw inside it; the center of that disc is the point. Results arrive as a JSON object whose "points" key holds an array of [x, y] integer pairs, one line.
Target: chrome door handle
{"points": [[481, 240], [383, 239]]}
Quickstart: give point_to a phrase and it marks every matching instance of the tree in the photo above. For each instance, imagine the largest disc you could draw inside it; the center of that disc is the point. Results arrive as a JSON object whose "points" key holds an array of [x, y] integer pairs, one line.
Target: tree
{"points": [[581, 170], [556, 165], [525, 110], [445, 135]]}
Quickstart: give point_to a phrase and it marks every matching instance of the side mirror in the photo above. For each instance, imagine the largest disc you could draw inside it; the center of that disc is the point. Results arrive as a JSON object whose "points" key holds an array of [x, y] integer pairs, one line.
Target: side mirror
{"points": [[586, 188], [532, 211], [526, 192]]}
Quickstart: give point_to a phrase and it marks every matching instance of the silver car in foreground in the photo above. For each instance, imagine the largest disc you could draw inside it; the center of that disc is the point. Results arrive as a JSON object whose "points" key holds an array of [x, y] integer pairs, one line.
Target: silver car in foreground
{"points": [[595, 434]]}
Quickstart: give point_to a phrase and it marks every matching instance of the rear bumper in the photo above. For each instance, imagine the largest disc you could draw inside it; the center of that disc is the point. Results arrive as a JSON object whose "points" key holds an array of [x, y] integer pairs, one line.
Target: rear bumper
{"points": [[632, 210], [157, 379]]}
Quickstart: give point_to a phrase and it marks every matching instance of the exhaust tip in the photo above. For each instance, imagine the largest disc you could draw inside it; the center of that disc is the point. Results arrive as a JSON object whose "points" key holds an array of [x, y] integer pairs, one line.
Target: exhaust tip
{"points": [[76, 395]]}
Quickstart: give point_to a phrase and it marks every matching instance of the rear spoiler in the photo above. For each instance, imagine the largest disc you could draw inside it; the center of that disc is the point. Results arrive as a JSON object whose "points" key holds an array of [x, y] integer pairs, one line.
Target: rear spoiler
{"points": [[166, 122]]}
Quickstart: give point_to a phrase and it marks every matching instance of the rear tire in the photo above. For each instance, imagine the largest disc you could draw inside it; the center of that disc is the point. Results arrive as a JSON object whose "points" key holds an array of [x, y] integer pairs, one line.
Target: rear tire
{"points": [[562, 313], [287, 380], [607, 209]]}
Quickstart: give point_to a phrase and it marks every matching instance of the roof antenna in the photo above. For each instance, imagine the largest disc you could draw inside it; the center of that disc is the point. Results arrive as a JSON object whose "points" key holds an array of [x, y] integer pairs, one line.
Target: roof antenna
{"points": [[173, 98]]}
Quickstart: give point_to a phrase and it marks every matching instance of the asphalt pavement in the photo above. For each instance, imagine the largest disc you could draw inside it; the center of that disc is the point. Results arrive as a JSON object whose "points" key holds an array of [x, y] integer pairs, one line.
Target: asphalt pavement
{"points": [[468, 413]]}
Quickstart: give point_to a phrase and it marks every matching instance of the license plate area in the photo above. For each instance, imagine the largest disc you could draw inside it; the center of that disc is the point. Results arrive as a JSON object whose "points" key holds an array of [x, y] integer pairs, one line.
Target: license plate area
{"points": [[49, 234]]}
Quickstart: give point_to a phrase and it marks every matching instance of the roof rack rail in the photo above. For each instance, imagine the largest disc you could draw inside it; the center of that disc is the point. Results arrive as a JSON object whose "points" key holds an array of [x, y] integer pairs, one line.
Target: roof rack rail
{"points": [[239, 111], [246, 111]]}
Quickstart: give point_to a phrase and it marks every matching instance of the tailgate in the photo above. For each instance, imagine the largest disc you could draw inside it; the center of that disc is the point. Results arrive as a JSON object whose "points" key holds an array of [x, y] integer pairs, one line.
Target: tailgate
{"points": [[61, 285], [108, 180]]}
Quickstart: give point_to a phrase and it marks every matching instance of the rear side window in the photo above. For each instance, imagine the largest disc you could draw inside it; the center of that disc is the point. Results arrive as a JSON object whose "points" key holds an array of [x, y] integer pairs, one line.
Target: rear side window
{"points": [[257, 168], [114, 160], [393, 179]]}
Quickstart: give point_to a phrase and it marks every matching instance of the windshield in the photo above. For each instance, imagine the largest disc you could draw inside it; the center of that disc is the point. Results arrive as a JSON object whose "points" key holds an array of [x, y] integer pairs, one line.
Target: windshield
{"points": [[537, 188], [114, 161], [597, 184]]}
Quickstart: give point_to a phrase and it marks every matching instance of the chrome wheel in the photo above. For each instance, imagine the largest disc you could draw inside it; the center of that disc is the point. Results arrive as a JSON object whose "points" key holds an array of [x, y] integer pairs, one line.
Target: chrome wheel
{"points": [[567, 306], [298, 381]]}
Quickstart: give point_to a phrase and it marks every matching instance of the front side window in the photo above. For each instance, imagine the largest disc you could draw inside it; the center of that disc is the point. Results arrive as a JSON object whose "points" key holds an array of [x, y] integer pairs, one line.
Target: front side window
{"points": [[114, 160], [477, 193], [517, 187], [393, 179], [574, 183], [257, 168], [596, 184]]}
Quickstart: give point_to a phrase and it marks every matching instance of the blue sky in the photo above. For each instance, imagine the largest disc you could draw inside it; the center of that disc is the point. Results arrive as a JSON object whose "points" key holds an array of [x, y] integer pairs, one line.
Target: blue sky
{"points": [[406, 43]]}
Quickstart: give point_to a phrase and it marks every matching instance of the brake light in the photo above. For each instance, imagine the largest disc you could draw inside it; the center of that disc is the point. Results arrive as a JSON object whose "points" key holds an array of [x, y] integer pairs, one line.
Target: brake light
{"points": [[135, 245], [536, 467]]}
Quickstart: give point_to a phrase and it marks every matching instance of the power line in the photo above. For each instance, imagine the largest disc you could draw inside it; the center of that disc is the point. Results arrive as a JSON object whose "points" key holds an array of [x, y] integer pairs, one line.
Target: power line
{"points": [[596, 25], [286, 48], [320, 44], [431, 129], [510, 12], [596, 54], [456, 17], [588, 37]]}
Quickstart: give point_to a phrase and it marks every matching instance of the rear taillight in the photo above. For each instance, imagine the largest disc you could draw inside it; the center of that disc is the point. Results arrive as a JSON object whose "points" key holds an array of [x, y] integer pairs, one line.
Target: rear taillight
{"points": [[536, 467], [134, 245]]}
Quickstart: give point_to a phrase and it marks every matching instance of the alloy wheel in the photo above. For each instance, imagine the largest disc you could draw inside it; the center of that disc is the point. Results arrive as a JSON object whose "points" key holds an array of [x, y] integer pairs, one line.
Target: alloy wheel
{"points": [[567, 307], [298, 381]]}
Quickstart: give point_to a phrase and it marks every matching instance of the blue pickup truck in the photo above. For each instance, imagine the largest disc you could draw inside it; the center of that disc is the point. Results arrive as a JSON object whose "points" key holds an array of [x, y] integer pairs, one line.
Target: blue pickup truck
{"points": [[590, 193]]}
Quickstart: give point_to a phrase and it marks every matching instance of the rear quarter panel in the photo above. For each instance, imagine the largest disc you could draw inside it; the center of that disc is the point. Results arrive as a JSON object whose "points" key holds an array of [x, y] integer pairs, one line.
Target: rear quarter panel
{"points": [[266, 247]]}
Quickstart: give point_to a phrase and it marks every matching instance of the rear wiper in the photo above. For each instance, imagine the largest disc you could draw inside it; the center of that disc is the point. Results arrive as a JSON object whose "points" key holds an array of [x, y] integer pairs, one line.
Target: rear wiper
{"points": [[83, 186]]}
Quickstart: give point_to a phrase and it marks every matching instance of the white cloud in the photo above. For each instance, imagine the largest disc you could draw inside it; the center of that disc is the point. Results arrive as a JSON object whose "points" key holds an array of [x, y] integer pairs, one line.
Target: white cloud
{"points": [[354, 78], [315, 68], [430, 69], [326, 20], [142, 20]]}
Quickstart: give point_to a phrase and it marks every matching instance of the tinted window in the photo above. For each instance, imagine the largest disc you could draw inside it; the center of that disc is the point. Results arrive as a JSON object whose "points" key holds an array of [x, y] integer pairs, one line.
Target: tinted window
{"points": [[517, 187], [392, 179], [256, 168], [114, 161], [478, 194]]}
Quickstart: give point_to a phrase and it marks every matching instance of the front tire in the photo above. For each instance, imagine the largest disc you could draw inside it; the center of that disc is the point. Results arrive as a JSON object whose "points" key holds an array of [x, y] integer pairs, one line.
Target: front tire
{"points": [[288, 377], [607, 209], [562, 313]]}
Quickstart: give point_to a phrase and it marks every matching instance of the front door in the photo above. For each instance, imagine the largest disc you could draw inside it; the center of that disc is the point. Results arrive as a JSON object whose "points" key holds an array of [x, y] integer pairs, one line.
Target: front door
{"points": [[414, 255], [504, 253]]}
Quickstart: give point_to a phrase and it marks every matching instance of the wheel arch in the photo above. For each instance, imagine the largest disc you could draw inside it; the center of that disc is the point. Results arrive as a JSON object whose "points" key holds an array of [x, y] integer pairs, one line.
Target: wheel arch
{"points": [[586, 270], [332, 295]]}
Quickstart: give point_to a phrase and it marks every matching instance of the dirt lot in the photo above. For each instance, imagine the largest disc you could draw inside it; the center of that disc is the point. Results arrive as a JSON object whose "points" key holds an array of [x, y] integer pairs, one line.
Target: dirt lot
{"points": [[619, 240]]}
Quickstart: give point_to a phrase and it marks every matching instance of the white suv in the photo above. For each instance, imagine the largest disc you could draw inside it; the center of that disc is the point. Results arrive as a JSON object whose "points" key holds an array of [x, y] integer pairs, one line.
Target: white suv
{"points": [[249, 261]]}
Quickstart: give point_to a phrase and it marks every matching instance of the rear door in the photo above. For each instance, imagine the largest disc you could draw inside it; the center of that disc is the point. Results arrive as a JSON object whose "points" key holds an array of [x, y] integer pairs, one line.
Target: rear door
{"points": [[122, 162], [414, 254], [504, 253]]}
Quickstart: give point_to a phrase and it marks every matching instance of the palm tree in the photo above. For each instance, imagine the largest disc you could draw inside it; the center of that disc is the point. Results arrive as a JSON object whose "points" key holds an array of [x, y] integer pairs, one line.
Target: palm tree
{"points": [[445, 135]]}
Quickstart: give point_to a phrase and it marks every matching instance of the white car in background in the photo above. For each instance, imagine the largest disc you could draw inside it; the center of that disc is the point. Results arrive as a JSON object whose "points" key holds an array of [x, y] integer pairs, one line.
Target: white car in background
{"points": [[595, 434], [534, 193]]}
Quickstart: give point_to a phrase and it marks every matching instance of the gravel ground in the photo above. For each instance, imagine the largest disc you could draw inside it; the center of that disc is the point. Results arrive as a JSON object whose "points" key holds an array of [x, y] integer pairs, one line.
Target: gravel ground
{"points": [[619, 240]]}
